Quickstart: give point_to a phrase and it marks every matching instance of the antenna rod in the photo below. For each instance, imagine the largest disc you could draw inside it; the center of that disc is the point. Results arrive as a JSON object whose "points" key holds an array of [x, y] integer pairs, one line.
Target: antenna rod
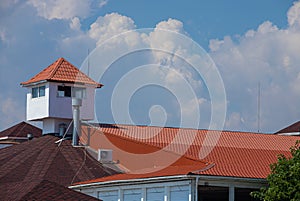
{"points": [[88, 70], [258, 108]]}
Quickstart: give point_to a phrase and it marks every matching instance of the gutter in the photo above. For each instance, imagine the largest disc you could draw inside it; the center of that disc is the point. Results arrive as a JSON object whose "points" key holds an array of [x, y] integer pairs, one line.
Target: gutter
{"points": [[132, 181], [13, 138], [238, 179], [33, 83]]}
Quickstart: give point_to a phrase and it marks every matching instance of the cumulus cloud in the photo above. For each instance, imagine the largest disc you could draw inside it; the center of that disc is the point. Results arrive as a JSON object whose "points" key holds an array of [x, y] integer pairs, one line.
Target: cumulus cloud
{"points": [[61, 9], [110, 25], [170, 48], [293, 15], [75, 24], [267, 55], [102, 3]]}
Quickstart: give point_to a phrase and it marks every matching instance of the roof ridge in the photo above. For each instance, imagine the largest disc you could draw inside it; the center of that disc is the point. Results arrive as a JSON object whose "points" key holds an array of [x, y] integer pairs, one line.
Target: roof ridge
{"points": [[58, 63]]}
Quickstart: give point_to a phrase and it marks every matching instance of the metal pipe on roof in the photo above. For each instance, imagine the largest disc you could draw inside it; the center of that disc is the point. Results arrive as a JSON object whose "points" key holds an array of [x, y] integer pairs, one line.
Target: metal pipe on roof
{"points": [[76, 103]]}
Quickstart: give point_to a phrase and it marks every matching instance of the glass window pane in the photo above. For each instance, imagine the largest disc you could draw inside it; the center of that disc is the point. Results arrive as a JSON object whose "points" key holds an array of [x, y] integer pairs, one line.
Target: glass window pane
{"points": [[42, 91], [179, 193], [132, 195], [108, 195], [64, 91], [35, 92], [67, 91], [212, 193], [155, 194]]}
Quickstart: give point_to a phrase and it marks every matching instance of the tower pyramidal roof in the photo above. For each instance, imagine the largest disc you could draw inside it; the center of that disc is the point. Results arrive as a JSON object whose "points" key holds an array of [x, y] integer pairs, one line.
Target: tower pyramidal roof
{"points": [[62, 71]]}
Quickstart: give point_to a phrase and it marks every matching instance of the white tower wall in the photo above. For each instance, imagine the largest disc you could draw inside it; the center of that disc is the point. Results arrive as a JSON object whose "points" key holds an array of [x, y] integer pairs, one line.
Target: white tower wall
{"points": [[37, 108], [54, 109]]}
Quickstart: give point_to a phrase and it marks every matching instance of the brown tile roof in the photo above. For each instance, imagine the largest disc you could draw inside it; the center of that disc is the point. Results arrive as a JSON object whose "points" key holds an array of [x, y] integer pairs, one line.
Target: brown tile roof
{"points": [[40, 191], [21, 130], [42, 159], [236, 154], [295, 127], [62, 71]]}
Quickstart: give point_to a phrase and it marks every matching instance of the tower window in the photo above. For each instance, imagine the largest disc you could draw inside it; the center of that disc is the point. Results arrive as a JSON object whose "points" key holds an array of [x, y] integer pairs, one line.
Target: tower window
{"points": [[38, 91], [64, 91], [68, 91]]}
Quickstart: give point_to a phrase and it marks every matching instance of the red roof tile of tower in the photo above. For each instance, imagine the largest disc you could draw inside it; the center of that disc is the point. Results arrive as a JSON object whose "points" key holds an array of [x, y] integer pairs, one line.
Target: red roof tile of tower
{"points": [[62, 71]]}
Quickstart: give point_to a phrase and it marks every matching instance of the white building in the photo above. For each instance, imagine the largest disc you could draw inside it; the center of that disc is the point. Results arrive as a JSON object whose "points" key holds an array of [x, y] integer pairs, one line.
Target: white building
{"points": [[50, 92]]}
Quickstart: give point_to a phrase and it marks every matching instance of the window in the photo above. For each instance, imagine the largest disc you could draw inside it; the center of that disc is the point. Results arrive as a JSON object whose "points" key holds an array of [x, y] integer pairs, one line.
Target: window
{"points": [[108, 195], [212, 193], [178, 193], [64, 91], [155, 194], [67, 91], [38, 91], [132, 195]]}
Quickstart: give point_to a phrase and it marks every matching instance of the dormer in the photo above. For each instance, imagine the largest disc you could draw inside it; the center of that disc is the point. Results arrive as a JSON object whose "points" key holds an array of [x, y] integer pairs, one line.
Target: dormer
{"points": [[50, 92]]}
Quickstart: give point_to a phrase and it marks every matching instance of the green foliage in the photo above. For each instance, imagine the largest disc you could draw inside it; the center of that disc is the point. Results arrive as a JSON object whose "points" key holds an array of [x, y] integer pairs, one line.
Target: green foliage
{"points": [[284, 179]]}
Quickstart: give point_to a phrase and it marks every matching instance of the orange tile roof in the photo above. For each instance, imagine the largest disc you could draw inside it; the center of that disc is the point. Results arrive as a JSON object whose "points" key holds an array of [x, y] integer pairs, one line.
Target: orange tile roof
{"points": [[235, 154], [62, 71], [173, 170], [138, 157]]}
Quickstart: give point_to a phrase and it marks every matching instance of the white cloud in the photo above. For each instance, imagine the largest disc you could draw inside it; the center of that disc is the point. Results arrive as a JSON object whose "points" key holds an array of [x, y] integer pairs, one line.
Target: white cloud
{"points": [[110, 25], [267, 55], [102, 3], [75, 24], [61, 9], [293, 15]]}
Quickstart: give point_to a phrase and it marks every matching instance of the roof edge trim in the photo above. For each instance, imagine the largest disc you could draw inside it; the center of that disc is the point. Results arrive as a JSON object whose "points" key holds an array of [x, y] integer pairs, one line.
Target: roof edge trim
{"points": [[160, 178]]}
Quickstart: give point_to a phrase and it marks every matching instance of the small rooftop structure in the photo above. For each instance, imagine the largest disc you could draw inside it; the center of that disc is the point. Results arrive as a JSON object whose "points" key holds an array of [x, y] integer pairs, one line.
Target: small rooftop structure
{"points": [[293, 129], [50, 94], [19, 133]]}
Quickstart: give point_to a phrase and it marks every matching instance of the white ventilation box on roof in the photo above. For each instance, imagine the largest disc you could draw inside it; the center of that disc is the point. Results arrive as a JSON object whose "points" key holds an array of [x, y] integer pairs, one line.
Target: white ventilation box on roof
{"points": [[105, 155]]}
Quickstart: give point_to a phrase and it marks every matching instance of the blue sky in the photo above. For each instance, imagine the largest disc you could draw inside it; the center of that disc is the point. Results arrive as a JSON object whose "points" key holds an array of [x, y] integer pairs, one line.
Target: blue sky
{"points": [[250, 42]]}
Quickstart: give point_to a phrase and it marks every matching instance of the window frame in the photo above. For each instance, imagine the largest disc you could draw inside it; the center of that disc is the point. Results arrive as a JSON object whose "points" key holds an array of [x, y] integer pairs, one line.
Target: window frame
{"points": [[67, 91], [39, 91]]}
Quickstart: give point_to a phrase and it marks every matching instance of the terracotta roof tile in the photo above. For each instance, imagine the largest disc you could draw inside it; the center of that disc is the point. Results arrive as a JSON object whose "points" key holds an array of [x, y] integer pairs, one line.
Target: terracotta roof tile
{"points": [[236, 154], [62, 71], [172, 170]]}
